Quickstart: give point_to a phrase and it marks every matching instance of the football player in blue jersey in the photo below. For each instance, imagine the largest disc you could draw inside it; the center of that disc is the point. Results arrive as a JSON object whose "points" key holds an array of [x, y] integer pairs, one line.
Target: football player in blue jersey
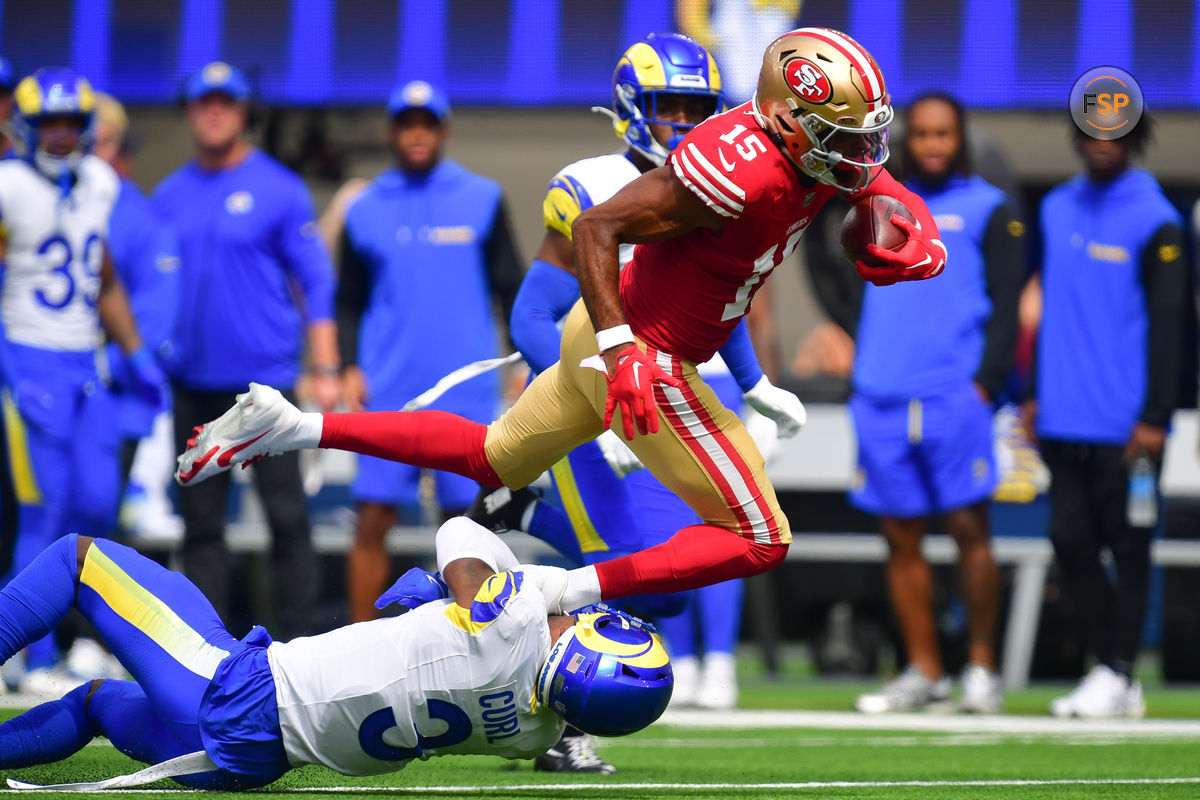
{"points": [[59, 288], [477, 666], [663, 86]]}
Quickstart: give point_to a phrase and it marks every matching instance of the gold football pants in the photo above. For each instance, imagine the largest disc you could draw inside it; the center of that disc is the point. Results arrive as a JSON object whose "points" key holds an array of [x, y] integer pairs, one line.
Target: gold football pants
{"points": [[701, 451]]}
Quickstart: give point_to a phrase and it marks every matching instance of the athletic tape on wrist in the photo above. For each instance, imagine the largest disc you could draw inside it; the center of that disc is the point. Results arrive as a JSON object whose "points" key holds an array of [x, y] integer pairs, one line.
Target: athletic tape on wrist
{"points": [[612, 337]]}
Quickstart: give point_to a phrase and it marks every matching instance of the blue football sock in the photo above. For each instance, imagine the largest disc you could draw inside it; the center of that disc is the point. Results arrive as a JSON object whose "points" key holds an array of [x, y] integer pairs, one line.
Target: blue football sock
{"points": [[679, 632], [551, 525], [34, 601], [49, 732], [720, 610]]}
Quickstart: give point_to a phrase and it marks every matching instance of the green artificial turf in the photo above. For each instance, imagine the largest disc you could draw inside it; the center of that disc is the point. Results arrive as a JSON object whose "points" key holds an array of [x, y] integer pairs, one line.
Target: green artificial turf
{"points": [[667, 761]]}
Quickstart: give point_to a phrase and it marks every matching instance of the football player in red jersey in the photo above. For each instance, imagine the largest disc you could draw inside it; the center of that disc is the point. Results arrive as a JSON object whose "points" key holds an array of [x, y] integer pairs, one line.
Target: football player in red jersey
{"points": [[731, 203]]}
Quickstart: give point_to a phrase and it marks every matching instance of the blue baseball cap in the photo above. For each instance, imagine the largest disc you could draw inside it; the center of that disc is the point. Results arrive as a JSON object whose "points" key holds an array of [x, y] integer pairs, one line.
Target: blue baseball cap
{"points": [[419, 94], [218, 77], [8, 74]]}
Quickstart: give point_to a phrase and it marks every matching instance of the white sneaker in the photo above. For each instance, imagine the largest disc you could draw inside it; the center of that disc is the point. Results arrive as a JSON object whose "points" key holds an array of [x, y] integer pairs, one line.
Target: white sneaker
{"points": [[261, 423], [1101, 693], [982, 691], [88, 659], [686, 670], [908, 691], [718, 686], [47, 683]]}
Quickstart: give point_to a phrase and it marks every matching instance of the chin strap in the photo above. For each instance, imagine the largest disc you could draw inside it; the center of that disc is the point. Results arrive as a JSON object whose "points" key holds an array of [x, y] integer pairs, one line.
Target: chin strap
{"points": [[608, 112]]}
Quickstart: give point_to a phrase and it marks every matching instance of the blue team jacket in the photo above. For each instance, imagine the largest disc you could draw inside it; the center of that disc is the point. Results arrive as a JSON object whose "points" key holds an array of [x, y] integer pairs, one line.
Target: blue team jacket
{"points": [[920, 339], [253, 272], [1091, 369], [429, 309]]}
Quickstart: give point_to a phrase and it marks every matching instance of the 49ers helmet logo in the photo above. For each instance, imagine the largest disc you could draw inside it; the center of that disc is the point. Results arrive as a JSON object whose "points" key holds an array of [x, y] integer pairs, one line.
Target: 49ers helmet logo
{"points": [[807, 80]]}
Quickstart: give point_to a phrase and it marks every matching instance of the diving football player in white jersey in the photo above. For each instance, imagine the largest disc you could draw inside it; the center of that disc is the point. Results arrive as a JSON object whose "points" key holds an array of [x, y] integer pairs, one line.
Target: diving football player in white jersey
{"points": [[59, 289], [477, 667]]}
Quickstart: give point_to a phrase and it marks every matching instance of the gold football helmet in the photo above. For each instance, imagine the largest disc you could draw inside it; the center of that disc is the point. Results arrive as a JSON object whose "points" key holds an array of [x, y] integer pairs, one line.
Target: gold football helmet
{"points": [[823, 98]]}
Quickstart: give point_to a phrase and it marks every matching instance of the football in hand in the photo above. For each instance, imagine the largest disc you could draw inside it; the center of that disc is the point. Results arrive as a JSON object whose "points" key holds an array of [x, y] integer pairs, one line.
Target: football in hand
{"points": [[870, 222]]}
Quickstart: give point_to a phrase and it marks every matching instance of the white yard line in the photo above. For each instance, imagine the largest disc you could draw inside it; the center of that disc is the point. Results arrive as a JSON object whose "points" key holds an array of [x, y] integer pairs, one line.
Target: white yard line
{"points": [[932, 723], [525, 788]]}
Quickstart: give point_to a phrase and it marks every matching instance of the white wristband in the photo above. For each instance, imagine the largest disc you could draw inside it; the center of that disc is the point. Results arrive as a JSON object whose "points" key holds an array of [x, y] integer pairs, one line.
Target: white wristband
{"points": [[611, 337]]}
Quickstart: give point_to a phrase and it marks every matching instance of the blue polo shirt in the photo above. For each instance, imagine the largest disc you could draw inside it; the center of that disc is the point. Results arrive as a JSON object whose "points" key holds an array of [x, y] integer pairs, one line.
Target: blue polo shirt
{"points": [[421, 238], [1092, 347], [922, 338], [253, 272]]}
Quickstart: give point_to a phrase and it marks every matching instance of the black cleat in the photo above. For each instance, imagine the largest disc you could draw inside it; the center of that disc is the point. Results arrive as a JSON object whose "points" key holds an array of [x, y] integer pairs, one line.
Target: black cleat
{"points": [[502, 509], [573, 753]]}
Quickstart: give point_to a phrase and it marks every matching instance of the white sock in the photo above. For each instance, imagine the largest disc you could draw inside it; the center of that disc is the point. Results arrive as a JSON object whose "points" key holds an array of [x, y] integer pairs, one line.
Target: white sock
{"points": [[583, 588], [308, 431]]}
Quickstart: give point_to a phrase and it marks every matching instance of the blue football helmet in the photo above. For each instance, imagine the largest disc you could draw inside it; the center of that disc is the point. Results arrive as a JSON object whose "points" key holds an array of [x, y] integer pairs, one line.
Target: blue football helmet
{"points": [[662, 63], [53, 92], [609, 674]]}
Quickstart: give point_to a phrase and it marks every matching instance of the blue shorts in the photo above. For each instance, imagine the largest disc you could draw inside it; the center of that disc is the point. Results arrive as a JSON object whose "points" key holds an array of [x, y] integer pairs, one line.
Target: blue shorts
{"points": [[393, 484], [922, 456]]}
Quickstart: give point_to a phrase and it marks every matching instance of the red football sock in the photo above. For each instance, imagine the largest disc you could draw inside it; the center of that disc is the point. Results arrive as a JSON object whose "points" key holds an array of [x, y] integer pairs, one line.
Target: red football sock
{"points": [[699, 555], [433, 439]]}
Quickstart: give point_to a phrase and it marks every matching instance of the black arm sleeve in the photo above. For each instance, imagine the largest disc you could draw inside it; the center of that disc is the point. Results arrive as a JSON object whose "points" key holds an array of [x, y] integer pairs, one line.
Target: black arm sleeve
{"points": [[504, 264], [1164, 281], [837, 286], [1004, 270], [354, 287]]}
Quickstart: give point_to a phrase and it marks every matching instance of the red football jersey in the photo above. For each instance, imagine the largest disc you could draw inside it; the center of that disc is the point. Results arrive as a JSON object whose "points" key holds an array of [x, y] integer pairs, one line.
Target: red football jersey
{"points": [[685, 295]]}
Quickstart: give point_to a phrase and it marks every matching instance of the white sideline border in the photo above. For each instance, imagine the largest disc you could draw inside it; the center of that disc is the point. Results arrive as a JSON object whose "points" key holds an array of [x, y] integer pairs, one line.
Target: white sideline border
{"points": [[932, 723]]}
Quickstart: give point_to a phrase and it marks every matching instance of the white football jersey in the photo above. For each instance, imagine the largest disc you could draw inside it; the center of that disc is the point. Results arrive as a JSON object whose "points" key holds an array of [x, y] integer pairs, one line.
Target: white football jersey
{"points": [[439, 679], [579, 186], [589, 182], [55, 248]]}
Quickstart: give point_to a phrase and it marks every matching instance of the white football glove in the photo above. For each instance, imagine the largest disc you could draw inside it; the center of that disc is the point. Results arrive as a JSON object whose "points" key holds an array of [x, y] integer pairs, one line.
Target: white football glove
{"points": [[778, 404], [551, 582], [765, 433], [621, 460]]}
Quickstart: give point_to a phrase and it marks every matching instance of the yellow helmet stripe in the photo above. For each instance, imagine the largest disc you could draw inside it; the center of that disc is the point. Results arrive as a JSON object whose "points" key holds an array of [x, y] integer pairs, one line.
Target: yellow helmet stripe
{"points": [[87, 97], [28, 97], [647, 65], [714, 75]]}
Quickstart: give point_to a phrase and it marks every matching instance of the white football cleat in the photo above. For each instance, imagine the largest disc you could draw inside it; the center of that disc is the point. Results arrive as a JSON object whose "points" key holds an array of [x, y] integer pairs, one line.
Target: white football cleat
{"points": [[261, 423], [718, 686], [686, 670], [908, 691], [982, 691], [1102, 693]]}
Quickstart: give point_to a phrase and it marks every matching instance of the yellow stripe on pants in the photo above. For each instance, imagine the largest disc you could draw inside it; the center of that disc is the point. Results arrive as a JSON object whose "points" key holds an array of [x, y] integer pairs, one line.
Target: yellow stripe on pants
{"points": [[572, 500], [25, 484], [150, 615]]}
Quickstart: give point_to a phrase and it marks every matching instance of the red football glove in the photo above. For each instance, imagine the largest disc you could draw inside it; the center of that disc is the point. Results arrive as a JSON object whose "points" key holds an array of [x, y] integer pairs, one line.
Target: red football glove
{"points": [[918, 258], [631, 386]]}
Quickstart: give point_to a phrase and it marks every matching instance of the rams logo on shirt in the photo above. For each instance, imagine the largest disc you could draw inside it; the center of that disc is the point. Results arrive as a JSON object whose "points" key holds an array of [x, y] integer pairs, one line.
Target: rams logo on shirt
{"points": [[239, 202]]}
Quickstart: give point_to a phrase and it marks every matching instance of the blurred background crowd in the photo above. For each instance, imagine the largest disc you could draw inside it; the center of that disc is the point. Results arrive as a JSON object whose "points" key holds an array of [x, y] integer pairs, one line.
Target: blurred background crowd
{"points": [[341, 200]]}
